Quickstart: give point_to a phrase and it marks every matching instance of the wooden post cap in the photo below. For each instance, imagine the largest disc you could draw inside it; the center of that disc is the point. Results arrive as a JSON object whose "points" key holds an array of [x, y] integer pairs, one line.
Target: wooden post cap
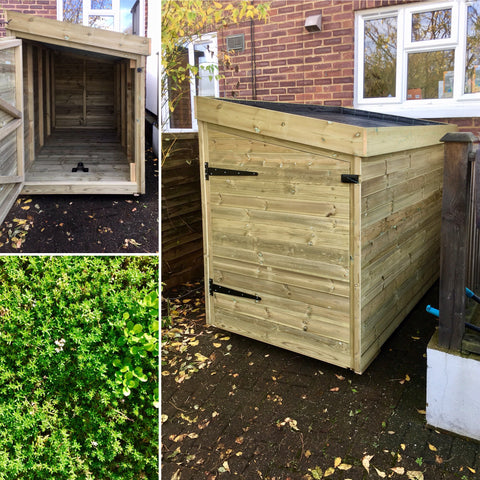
{"points": [[460, 137]]}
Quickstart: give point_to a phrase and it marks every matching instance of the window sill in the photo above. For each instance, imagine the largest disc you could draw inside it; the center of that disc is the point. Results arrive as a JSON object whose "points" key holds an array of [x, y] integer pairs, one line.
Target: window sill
{"points": [[424, 109]]}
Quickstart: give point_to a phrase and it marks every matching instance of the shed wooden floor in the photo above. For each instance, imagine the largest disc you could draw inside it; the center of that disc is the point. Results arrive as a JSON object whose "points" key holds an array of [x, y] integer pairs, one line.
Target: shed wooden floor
{"points": [[99, 151]]}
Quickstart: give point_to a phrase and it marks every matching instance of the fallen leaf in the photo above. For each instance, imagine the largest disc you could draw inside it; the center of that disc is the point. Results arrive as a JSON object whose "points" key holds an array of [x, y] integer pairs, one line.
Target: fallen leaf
{"points": [[398, 470], [366, 462], [402, 446], [25, 208], [415, 475], [164, 417], [433, 448], [344, 466], [239, 440], [215, 414], [217, 345], [416, 338], [329, 471], [438, 459], [407, 378], [335, 389], [317, 473], [471, 469], [28, 200], [337, 462], [380, 473], [308, 454], [421, 412], [340, 377]]}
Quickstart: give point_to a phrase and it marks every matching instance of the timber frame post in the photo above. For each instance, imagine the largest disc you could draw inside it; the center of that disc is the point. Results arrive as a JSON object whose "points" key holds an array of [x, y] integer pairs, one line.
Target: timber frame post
{"points": [[459, 151]]}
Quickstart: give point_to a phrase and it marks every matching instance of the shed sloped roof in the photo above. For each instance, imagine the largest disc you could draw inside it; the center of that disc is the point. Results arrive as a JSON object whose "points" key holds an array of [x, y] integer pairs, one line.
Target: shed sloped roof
{"points": [[45, 30]]}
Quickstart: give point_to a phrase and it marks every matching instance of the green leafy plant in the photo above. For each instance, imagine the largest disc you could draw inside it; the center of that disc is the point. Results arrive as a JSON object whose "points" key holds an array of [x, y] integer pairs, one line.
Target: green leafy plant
{"points": [[61, 326], [139, 348]]}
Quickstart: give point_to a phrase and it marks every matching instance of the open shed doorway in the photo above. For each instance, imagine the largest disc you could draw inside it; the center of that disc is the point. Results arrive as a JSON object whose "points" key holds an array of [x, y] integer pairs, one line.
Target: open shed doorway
{"points": [[76, 105]]}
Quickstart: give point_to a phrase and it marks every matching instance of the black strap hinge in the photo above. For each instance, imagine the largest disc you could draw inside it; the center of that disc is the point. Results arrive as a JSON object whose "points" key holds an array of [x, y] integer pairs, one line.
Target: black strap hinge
{"points": [[225, 172], [214, 288], [349, 178]]}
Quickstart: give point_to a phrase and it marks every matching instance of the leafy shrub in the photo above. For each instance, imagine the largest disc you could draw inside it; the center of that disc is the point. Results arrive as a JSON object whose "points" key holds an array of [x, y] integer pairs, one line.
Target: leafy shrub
{"points": [[62, 326]]}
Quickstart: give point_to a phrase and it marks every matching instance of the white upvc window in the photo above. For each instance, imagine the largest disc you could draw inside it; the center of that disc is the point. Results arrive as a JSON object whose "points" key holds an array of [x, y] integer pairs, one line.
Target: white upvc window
{"points": [[116, 15], [420, 59], [201, 53]]}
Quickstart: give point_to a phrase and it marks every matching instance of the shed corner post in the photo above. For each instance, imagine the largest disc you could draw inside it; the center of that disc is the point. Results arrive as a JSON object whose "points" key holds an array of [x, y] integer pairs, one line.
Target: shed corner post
{"points": [[453, 238], [206, 223], [355, 267]]}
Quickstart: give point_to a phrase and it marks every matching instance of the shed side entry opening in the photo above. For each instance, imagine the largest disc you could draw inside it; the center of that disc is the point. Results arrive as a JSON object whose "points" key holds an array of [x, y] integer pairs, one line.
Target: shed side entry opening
{"points": [[83, 107], [321, 225]]}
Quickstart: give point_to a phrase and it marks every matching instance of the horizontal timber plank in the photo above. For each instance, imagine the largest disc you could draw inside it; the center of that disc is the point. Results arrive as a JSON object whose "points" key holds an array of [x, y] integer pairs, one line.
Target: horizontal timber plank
{"points": [[291, 339], [283, 277], [296, 315]]}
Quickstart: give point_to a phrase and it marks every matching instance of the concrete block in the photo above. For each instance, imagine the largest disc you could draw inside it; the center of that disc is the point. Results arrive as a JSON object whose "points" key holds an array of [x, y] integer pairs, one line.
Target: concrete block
{"points": [[453, 390]]}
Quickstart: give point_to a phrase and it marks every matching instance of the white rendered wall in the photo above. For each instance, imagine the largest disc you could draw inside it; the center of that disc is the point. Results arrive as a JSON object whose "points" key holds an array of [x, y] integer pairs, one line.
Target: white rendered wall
{"points": [[453, 391]]}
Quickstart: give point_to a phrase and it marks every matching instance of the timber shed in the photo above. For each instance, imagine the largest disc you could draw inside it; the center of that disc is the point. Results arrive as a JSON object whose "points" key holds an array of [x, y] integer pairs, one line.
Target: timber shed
{"points": [[321, 224], [72, 106]]}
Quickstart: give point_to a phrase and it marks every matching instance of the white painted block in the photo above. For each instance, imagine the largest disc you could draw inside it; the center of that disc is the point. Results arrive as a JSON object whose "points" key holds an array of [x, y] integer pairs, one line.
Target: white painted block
{"points": [[453, 391]]}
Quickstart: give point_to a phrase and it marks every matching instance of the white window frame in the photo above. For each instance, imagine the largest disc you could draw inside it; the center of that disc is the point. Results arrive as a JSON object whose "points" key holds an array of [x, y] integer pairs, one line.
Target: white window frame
{"points": [[110, 12], [210, 38], [461, 105]]}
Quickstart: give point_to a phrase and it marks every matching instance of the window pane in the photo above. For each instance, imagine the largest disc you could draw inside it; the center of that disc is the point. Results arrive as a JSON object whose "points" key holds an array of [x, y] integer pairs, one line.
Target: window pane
{"points": [[430, 75], [380, 60], [179, 96], [101, 21], [205, 61], [102, 4], [73, 11], [432, 25], [472, 64]]}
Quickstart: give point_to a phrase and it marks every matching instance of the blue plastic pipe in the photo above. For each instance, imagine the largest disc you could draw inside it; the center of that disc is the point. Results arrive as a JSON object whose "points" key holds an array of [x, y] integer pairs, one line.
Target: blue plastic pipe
{"points": [[471, 295], [436, 313]]}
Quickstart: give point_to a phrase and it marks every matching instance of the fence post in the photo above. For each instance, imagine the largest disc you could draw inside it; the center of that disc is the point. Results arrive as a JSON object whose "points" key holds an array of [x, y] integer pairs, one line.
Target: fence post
{"points": [[453, 249]]}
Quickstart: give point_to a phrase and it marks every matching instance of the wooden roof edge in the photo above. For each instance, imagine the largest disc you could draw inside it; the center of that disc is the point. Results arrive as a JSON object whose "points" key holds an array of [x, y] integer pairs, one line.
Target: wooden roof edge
{"points": [[77, 36], [314, 132]]}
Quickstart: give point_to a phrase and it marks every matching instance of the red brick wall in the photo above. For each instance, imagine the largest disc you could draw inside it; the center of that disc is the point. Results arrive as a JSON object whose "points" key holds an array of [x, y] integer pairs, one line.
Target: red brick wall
{"points": [[43, 8], [293, 65]]}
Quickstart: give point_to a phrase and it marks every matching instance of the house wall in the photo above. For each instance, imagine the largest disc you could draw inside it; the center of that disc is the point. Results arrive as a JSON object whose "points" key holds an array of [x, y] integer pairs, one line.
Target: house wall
{"points": [[43, 8], [293, 65]]}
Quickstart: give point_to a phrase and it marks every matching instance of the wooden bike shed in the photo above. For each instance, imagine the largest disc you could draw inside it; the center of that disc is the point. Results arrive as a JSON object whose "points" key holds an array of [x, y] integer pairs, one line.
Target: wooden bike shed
{"points": [[72, 103], [321, 224]]}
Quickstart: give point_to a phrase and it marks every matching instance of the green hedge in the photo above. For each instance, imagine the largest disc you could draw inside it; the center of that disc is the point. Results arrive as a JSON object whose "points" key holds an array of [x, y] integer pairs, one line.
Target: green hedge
{"points": [[69, 409]]}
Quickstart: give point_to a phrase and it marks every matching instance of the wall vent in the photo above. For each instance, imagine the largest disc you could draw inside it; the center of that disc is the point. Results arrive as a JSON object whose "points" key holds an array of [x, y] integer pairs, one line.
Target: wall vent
{"points": [[236, 42]]}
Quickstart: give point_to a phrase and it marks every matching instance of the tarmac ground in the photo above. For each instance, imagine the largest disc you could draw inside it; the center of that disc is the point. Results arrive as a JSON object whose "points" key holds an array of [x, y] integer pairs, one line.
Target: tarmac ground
{"points": [[233, 407]]}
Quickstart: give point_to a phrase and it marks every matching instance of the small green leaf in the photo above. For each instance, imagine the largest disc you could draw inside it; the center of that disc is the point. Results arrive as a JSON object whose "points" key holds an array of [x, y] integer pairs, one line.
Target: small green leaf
{"points": [[137, 328], [126, 391], [126, 316], [117, 363]]}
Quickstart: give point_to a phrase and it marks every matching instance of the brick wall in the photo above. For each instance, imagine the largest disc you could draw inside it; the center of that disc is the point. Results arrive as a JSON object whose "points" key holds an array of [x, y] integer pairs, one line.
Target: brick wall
{"points": [[43, 8], [293, 65]]}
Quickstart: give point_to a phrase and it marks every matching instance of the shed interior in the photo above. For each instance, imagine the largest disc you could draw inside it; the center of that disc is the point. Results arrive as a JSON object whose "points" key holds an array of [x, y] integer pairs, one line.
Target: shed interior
{"points": [[78, 108]]}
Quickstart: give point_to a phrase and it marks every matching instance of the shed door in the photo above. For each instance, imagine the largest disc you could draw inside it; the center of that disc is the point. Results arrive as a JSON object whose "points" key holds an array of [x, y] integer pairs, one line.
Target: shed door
{"points": [[11, 123], [277, 244]]}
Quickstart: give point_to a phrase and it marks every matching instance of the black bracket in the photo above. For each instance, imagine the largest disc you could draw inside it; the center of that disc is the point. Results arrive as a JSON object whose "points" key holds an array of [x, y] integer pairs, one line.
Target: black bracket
{"points": [[81, 167], [214, 288], [225, 172], [349, 178]]}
